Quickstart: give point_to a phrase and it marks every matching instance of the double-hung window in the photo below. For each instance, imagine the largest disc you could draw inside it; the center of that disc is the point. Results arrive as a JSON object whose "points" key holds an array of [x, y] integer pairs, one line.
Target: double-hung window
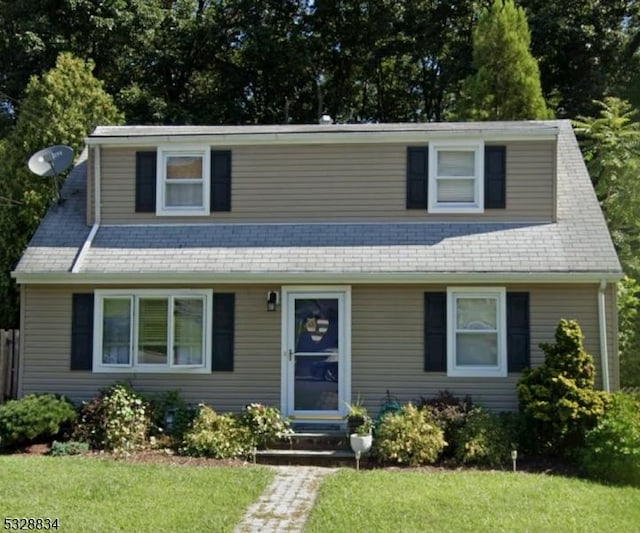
{"points": [[477, 340], [456, 177], [183, 180], [152, 331]]}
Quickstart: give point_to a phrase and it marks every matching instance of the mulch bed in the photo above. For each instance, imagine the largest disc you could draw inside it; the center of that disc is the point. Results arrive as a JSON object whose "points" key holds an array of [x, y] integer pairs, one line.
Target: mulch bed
{"points": [[534, 464]]}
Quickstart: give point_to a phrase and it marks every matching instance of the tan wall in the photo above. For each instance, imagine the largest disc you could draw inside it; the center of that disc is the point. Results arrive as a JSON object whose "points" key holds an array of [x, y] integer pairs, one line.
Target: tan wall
{"points": [[343, 183], [387, 348]]}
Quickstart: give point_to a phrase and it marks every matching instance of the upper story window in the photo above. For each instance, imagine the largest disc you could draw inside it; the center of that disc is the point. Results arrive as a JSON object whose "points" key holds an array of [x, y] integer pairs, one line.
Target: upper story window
{"points": [[456, 177], [183, 181]]}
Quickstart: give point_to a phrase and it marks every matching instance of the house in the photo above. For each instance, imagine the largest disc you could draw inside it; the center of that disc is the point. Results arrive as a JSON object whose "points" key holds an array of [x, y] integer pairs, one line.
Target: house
{"points": [[304, 266]]}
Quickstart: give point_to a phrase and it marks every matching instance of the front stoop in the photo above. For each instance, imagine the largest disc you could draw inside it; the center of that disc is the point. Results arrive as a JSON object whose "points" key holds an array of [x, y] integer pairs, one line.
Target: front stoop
{"points": [[326, 448]]}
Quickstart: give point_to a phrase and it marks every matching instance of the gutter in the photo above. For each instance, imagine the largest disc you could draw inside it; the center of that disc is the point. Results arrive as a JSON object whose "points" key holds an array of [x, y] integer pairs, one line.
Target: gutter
{"points": [[181, 278], [602, 323]]}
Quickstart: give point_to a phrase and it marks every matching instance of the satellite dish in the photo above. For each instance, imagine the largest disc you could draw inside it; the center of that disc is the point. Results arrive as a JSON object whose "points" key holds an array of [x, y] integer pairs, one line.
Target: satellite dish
{"points": [[51, 162]]}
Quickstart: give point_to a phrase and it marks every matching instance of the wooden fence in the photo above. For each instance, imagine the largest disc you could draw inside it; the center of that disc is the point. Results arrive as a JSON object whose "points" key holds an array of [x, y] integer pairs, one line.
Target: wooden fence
{"points": [[9, 348]]}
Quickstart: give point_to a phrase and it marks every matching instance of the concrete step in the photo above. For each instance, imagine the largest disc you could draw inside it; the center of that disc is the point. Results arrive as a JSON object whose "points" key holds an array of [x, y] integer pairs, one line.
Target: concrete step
{"points": [[341, 457]]}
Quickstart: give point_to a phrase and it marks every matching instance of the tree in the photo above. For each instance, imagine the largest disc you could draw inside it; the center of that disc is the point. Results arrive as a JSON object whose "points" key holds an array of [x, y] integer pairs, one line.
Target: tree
{"points": [[506, 82], [585, 49], [61, 107], [610, 144], [557, 398]]}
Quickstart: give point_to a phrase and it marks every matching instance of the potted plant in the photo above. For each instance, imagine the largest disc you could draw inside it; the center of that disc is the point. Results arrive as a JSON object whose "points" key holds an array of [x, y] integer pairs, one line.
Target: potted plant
{"points": [[362, 439], [356, 416]]}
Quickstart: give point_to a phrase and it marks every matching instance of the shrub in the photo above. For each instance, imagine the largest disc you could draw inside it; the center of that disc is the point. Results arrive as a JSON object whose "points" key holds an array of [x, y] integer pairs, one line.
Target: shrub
{"points": [[218, 436], [612, 449], [409, 436], [34, 417], [484, 439], [450, 413], [170, 414], [265, 424], [72, 447], [557, 398], [116, 420]]}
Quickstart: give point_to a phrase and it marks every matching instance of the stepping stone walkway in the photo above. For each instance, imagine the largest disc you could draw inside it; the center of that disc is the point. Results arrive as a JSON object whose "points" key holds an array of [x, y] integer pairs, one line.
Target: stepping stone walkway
{"points": [[286, 502]]}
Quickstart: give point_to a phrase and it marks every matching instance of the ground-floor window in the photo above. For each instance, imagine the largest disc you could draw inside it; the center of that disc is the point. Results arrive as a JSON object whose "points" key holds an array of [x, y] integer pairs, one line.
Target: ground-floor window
{"points": [[152, 331]]}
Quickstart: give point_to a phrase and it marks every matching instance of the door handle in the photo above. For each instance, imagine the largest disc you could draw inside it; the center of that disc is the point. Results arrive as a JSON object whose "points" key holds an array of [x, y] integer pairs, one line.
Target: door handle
{"points": [[288, 353]]}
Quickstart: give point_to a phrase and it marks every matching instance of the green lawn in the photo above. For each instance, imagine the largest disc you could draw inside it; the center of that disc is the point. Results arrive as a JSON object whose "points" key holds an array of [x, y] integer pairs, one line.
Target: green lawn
{"points": [[475, 501], [101, 495]]}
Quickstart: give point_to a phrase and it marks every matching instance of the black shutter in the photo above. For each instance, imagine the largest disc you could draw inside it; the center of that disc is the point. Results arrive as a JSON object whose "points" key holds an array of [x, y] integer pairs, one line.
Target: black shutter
{"points": [[495, 175], [223, 326], [518, 348], [417, 176], [220, 180], [435, 332], [82, 331], [145, 182]]}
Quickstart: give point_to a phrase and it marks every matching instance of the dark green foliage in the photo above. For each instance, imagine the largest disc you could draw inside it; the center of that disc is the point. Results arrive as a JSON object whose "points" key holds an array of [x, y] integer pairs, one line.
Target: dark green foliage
{"points": [[485, 439], [265, 424], [610, 143], [61, 106], [116, 420], [450, 413], [612, 449], [170, 414], [34, 417], [585, 48], [71, 447], [409, 436], [218, 436], [558, 399], [506, 81]]}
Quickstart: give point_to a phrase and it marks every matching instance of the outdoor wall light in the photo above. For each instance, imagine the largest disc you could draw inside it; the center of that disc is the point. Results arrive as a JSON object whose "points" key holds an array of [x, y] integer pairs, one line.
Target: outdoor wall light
{"points": [[273, 299]]}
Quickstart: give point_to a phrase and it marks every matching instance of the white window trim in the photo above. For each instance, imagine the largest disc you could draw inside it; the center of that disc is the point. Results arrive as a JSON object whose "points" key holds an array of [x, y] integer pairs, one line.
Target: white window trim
{"points": [[500, 294], [161, 179], [133, 367], [477, 147]]}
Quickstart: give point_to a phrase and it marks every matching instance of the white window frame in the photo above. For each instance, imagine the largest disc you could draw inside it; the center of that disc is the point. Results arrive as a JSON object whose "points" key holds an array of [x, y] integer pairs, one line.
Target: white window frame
{"points": [[163, 153], [133, 366], [477, 206], [500, 295]]}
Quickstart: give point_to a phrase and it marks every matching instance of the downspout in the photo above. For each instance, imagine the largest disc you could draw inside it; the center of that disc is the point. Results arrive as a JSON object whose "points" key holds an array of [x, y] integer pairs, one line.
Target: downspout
{"points": [[602, 323], [96, 211]]}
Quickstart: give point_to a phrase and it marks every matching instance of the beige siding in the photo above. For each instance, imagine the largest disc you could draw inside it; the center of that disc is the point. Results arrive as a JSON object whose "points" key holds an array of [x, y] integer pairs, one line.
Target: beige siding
{"points": [[256, 376], [387, 343], [348, 182], [387, 347], [90, 185]]}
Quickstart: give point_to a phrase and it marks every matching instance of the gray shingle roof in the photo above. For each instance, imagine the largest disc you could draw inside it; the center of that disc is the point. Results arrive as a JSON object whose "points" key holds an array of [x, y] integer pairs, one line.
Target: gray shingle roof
{"points": [[578, 242]]}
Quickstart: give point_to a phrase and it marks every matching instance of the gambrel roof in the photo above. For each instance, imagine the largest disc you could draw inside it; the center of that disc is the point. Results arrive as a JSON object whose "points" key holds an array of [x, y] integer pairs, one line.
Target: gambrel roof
{"points": [[577, 244]]}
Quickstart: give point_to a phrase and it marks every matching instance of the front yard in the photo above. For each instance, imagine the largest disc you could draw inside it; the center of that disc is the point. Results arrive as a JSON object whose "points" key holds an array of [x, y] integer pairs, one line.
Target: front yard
{"points": [[385, 500], [90, 494]]}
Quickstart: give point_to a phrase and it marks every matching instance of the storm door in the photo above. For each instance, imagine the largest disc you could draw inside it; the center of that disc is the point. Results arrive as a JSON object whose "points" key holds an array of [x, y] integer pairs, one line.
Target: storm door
{"points": [[315, 353]]}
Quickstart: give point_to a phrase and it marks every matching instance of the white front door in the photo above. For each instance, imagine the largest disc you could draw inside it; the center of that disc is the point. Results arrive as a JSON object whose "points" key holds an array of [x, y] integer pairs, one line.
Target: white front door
{"points": [[316, 352]]}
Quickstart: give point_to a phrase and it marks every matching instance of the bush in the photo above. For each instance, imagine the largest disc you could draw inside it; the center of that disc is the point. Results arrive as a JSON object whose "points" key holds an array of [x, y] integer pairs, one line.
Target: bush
{"points": [[612, 449], [72, 447], [34, 417], [116, 420], [170, 414], [557, 398], [484, 439], [409, 436], [450, 413], [265, 424], [218, 436]]}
